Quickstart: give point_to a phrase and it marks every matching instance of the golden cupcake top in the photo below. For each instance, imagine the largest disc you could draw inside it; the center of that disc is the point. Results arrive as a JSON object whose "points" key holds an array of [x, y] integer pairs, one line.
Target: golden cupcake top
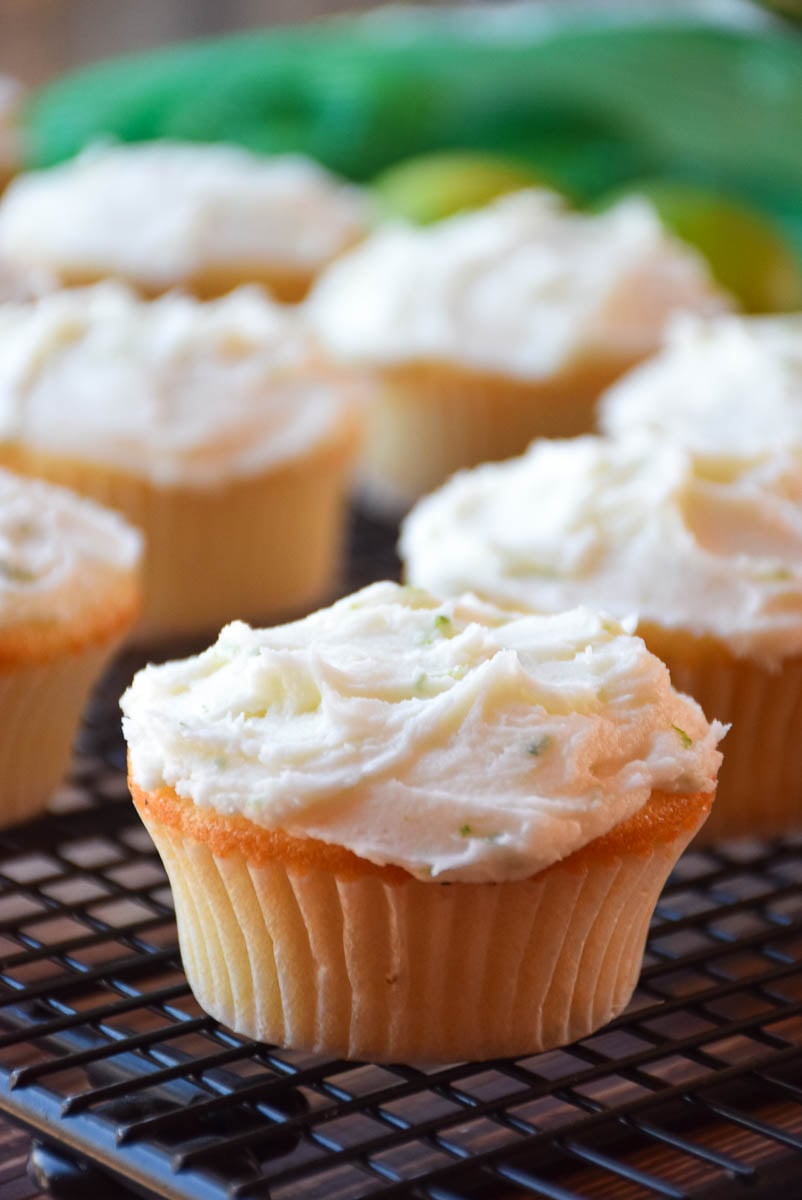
{"points": [[521, 287], [727, 388], [635, 526], [174, 390], [450, 738], [61, 556], [159, 212]]}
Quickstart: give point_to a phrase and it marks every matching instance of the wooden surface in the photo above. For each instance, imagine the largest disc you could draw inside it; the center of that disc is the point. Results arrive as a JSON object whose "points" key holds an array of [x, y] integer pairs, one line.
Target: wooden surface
{"points": [[40, 38]]}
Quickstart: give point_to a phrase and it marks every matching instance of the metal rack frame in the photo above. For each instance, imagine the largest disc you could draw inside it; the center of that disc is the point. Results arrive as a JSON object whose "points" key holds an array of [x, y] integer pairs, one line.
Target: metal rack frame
{"points": [[694, 1094]]}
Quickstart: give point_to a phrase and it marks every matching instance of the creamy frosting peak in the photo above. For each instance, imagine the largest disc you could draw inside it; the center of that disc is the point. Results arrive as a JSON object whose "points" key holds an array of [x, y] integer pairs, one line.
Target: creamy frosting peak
{"points": [[520, 287], [175, 390], [157, 212], [728, 389], [59, 554], [447, 737], [632, 526]]}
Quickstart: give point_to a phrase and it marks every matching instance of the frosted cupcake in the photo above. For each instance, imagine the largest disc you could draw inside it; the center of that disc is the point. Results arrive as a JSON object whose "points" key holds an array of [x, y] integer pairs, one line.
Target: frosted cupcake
{"points": [[214, 427], [311, 787], [160, 215], [728, 389], [491, 328], [69, 591], [709, 555]]}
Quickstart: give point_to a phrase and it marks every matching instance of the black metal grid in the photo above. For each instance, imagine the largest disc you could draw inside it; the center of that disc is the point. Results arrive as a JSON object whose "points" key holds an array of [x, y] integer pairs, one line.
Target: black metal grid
{"points": [[694, 1094]]}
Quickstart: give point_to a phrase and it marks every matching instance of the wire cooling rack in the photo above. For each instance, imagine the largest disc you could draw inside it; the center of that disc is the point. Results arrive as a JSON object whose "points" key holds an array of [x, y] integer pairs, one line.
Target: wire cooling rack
{"points": [[694, 1094]]}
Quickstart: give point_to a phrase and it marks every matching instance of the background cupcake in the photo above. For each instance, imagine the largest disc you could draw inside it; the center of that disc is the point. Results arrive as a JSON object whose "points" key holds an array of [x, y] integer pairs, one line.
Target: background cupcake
{"points": [[493, 327], [708, 557], [311, 788], [164, 214], [69, 592], [214, 427], [726, 388]]}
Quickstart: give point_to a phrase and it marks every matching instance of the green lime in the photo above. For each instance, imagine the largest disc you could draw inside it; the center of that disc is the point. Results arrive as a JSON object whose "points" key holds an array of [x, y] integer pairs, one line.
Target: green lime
{"points": [[746, 253], [432, 186]]}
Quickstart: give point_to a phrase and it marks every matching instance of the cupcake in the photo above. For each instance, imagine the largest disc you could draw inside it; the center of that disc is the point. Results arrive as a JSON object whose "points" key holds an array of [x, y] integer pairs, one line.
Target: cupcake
{"points": [[494, 327], [69, 591], [215, 427], [160, 215], [726, 388], [409, 829], [11, 94], [707, 553]]}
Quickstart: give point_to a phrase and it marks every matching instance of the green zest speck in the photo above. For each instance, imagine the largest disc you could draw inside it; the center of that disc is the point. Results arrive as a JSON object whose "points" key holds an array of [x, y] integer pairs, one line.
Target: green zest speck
{"points": [[684, 737], [466, 830], [537, 747], [16, 574], [221, 762], [420, 682]]}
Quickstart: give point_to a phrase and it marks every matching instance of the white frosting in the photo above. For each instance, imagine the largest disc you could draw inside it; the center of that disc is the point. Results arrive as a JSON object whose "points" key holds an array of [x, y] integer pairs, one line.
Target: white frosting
{"points": [[11, 94], [18, 283], [59, 554], [632, 527], [521, 287], [175, 390], [451, 739], [728, 389], [158, 212]]}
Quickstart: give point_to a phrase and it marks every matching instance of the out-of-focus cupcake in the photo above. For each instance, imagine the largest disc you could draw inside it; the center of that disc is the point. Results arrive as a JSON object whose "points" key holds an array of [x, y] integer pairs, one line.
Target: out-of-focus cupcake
{"points": [[707, 553], [159, 215], [11, 96], [726, 388], [494, 327], [214, 427], [69, 591], [312, 787]]}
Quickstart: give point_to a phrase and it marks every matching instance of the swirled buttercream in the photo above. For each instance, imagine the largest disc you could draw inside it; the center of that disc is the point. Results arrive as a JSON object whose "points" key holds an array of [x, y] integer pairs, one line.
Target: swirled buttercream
{"points": [[174, 390], [158, 212], [728, 389], [447, 737], [521, 287], [59, 554], [632, 526]]}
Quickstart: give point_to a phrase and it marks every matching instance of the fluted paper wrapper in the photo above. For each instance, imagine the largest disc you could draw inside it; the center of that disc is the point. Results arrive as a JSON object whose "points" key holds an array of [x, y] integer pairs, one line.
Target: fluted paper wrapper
{"points": [[40, 707], [285, 284], [760, 782], [428, 420], [366, 968], [258, 548]]}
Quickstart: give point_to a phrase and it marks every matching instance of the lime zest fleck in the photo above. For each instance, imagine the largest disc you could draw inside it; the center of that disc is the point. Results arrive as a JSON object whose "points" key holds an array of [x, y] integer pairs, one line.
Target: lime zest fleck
{"points": [[16, 574], [466, 831], [685, 738], [421, 682], [774, 575], [539, 746], [221, 762]]}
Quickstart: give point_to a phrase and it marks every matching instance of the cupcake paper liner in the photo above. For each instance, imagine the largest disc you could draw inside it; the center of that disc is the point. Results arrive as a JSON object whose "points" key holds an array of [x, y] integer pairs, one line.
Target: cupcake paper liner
{"points": [[760, 782], [256, 548], [370, 967], [428, 420], [40, 706]]}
